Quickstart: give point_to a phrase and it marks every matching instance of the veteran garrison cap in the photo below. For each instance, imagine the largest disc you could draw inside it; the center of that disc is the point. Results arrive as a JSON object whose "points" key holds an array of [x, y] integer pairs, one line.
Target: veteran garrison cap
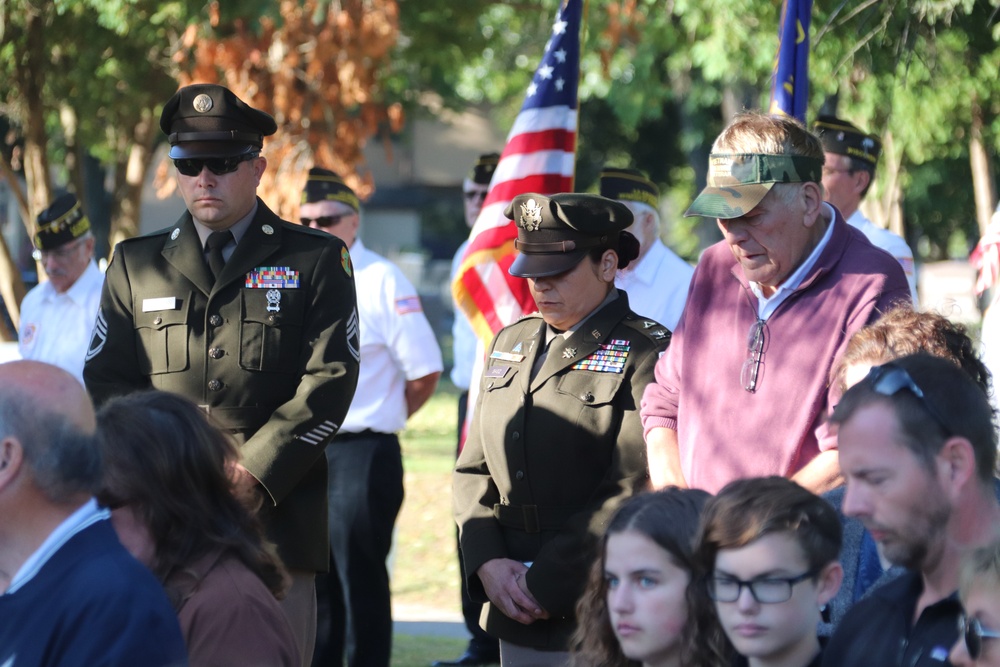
{"points": [[482, 170], [555, 232], [326, 185], [842, 137], [629, 185], [737, 182], [207, 120], [63, 221]]}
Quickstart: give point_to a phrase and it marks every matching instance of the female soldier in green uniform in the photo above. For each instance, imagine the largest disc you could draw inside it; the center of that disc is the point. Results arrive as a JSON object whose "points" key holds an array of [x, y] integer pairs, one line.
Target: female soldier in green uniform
{"points": [[556, 442]]}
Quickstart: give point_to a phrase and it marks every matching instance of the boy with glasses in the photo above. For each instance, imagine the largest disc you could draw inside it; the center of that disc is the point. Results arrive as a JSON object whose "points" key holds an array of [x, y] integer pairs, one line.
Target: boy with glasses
{"points": [[769, 548], [57, 316], [918, 450]]}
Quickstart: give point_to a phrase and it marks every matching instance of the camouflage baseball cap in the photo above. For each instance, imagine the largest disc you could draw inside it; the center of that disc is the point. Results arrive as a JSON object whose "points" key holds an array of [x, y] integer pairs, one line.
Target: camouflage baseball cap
{"points": [[737, 182]]}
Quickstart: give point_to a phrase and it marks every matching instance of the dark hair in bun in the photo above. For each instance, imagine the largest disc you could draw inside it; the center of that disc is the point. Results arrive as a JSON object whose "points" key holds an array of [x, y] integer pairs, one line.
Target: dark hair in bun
{"points": [[628, 248]]}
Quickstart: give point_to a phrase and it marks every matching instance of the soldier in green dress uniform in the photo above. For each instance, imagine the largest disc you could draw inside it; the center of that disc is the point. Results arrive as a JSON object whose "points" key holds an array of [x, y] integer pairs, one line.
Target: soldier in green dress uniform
{"points": [[251, 317], [556, 442]]}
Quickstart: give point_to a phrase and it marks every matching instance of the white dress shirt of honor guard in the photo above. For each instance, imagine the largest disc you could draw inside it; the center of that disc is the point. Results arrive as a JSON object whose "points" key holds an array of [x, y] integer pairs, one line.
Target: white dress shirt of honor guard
{"points": [[656, 283], [58, 315], [848, 171]]}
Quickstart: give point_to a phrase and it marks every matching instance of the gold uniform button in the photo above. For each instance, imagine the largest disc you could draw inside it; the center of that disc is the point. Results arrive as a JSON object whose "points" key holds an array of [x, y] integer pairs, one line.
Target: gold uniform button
{"points": [[215, 385], [215, 320]]}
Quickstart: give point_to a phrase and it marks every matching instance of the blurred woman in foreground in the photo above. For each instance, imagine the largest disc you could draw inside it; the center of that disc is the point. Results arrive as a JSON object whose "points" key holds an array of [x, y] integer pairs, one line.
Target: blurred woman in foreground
{"points": [[167, 483]]}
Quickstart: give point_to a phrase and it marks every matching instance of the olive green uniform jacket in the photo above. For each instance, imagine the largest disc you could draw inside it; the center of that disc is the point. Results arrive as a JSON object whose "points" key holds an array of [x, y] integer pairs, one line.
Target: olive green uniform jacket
{"points": [[275, 367], [547, 460]]}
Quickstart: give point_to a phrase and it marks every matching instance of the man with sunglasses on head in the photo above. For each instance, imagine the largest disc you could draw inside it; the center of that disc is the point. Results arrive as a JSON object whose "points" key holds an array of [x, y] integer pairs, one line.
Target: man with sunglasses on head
{"points": [[400, 367], [57, 316], [251, 317], [743, 390], [918, 450]]}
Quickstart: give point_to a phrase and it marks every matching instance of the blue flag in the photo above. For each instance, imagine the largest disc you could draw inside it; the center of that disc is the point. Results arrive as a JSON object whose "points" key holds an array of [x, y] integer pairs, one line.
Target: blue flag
{"points": [[790, 86]]}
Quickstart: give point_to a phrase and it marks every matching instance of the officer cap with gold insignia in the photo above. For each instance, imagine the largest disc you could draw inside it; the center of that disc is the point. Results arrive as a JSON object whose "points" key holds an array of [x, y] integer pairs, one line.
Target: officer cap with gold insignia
{"points": [[482, 170], [629, 185], [62, 222], [842, 137], [554, 233], [207, 120], [326, 185]]}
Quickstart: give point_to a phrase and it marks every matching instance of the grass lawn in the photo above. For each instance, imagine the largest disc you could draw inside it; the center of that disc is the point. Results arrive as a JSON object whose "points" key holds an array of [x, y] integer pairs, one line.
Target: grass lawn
{"points": [[410, 651]]}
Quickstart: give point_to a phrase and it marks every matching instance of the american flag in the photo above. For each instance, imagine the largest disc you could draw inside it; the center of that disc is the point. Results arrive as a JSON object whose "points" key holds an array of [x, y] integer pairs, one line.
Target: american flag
{"points": [[539, 157], [985, 256], [790, 88]]}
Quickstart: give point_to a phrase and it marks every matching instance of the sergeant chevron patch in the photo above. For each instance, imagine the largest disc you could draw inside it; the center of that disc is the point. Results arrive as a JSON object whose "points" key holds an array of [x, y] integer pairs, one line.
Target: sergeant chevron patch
{"points": [[354, 335], [99, 337]]}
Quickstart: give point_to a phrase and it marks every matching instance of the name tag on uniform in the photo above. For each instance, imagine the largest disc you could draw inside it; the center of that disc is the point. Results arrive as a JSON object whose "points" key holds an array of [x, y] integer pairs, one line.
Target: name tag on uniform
{"points": [[161, 303], [497, 371]]}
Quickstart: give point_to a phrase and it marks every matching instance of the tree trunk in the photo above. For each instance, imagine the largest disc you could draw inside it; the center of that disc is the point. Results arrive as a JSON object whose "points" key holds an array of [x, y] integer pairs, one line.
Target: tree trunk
{"points": [[983, 181], [888, 213], [30, 76], [74, 152], [126, 207], [11, 289]]}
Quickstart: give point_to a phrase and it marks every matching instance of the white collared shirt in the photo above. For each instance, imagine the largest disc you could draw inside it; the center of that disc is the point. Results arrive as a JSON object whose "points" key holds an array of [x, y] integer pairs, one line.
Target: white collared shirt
{"points": [[657, 285], [56, 328], [892, 243], [397, 343]]}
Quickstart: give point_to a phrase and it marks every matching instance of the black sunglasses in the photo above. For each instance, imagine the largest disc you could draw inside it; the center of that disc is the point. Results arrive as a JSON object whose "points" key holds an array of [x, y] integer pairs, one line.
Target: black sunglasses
{"points": [[889, 379], [325, 221], [475, 194], [974, 633], [192, 166]]}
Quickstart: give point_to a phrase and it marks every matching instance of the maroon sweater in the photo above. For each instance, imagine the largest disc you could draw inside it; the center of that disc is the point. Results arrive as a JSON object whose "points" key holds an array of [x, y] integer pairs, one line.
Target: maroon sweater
{"points": [[725, 432]]}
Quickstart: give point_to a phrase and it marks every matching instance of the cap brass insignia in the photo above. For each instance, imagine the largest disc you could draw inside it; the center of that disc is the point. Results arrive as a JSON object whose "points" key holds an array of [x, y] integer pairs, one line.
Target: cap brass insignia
{"points": [[202, 103], [531, 215]]}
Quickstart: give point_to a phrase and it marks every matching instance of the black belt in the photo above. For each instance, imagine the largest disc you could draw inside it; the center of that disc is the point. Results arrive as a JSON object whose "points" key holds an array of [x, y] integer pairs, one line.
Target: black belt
{"points": [[367, 433], [532, 518]]}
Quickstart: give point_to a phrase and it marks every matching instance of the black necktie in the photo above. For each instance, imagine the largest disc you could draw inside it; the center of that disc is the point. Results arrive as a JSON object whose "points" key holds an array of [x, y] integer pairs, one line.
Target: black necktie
{"points": [[215, 243]]}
